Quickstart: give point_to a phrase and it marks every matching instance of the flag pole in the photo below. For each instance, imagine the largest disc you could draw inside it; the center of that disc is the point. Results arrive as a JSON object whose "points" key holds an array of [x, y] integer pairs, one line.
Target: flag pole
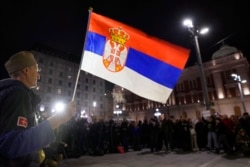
{"points": [[79, 70]]}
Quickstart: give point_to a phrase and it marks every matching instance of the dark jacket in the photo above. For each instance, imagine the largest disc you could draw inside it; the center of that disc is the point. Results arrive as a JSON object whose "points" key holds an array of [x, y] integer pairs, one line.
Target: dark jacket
{"points": [[20, 137], [210, 124]]}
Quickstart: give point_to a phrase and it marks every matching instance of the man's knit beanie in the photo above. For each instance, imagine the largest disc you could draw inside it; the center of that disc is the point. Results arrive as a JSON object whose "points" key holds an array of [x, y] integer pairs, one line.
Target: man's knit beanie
{"points": [[19, 61]]}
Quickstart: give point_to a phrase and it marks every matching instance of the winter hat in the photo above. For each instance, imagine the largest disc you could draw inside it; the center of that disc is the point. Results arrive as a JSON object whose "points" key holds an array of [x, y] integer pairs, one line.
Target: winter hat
{"points": [[19, 61]]}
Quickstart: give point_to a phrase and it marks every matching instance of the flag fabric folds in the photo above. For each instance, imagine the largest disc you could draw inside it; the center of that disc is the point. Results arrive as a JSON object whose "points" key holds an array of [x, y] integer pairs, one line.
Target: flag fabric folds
{"points": [[145, 65]]}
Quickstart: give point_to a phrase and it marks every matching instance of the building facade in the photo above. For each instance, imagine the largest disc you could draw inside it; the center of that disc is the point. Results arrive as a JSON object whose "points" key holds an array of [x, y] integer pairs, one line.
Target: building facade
{"points": [[57, 85], [187, 98]]}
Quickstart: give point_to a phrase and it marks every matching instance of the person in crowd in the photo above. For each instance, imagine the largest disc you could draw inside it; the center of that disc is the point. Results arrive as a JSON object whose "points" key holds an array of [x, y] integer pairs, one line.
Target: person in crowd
{"points": [[125, 134], [177, 133], [212, 143], [96, 137], [135, 136], [201, 134], [106, 137], [193, 135], [74, 148], [222, 136], [116, 136], [168, 132], [21, 137], [145, 133], [185, 137], [112, 145], [235, 130], [245, 122], [154, 132], [243, 142], [83, 131]]}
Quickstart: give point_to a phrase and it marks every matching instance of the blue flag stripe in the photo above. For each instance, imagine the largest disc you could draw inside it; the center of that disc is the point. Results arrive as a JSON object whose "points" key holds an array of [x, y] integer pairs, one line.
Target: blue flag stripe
{"points": [[158, 71]]}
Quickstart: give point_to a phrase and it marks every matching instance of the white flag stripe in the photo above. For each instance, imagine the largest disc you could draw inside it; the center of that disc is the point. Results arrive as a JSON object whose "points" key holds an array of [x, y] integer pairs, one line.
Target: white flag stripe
{"points": [[126, 78]]}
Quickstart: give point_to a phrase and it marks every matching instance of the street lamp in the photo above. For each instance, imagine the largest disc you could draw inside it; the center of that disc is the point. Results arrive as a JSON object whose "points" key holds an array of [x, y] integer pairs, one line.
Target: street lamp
{"points": [[83, 114], [195, 34], [58, 107], [157, 113], [239, 81], [117, 111], [42, 108]]}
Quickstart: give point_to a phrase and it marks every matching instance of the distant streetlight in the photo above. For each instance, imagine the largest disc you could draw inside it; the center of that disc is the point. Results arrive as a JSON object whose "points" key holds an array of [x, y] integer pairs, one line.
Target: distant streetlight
{"points": [[117, 106], [239, 81], [83, 114], [195, 34], [117, 111], [157, 113], [58, 107], [42, 108]]}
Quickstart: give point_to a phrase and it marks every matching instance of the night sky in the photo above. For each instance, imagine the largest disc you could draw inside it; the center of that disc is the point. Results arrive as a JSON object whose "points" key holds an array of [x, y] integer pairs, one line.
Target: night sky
{"points": [[62, 24]]}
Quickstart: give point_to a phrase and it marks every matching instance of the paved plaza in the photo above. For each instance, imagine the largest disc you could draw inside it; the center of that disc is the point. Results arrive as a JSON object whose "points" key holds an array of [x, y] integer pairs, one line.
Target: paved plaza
{"points": [[145, 158]]}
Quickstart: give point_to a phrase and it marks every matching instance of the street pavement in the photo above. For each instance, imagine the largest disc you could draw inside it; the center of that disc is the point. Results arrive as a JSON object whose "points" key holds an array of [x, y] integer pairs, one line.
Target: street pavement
{"points": [[145, 158]]}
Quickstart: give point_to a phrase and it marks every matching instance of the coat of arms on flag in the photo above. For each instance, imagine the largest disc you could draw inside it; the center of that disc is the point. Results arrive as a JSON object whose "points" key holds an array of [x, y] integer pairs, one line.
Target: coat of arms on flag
{"points": [[115, 53]]}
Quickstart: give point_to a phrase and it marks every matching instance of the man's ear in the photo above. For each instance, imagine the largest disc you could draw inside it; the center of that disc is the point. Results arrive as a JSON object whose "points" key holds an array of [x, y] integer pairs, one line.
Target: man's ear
{"points": [[25, 70]]}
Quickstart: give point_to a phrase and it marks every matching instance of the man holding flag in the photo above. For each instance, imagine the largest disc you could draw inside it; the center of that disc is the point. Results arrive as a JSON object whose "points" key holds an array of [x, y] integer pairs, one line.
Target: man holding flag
{"points": [[22, 138]]}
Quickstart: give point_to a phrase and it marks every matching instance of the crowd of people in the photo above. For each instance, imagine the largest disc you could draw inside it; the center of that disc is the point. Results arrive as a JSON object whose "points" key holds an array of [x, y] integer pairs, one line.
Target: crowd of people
{"points": [[216, 133]]}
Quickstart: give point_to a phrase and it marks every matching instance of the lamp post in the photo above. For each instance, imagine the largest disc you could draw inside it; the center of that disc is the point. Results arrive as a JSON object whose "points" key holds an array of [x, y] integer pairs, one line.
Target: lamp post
{"points": [[195, 32], [237, 78], [157, 113]]}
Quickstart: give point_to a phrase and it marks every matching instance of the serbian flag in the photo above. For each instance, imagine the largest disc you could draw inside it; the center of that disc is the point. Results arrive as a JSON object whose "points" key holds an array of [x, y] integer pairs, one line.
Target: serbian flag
{"points": [[125, 56]]}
